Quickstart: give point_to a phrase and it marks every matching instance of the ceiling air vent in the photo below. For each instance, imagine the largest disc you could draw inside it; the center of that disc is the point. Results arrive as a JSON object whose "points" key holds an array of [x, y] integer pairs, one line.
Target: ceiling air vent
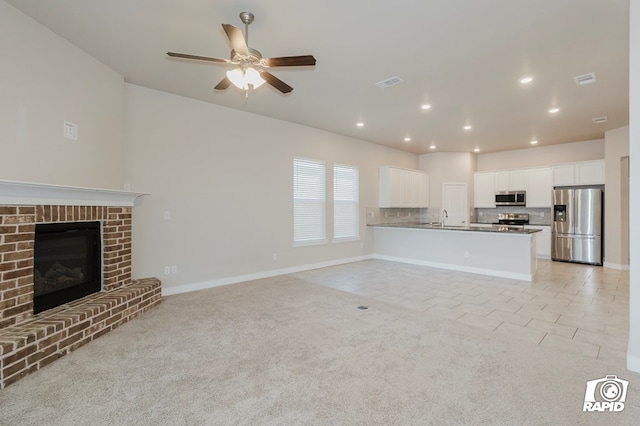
{"points": [[392, 81], [585, 79], [599, 120]]}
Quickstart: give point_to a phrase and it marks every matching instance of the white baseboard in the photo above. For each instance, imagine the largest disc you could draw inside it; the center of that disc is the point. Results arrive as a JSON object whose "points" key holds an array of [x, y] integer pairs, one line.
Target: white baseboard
{"points": [[482, 271], [185, 288], [616, 266]]}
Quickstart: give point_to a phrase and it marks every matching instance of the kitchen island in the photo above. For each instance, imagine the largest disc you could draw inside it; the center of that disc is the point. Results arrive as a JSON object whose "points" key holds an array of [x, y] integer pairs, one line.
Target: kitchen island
{"points": [[498, 251]]}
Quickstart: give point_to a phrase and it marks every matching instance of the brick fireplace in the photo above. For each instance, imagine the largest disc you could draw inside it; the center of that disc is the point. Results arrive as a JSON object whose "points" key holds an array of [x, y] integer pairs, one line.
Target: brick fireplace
{"points": [[30, 341]]}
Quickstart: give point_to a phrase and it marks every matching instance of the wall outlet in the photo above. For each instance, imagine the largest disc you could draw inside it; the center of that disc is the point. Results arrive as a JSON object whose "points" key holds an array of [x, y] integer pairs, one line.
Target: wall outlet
{"points": [[167, 270], [466, 254], [70, 130], [167, 215], [174, 269], [127, 187], [275, 256]]}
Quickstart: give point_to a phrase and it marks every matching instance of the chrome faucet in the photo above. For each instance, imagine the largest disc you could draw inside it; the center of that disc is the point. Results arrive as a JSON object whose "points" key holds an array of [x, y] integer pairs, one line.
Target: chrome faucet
{"points": [[444, 216]]}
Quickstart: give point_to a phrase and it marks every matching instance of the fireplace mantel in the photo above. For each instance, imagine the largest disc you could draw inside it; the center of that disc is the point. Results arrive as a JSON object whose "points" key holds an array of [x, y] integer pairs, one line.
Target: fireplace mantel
{"points": [[28, 193]]}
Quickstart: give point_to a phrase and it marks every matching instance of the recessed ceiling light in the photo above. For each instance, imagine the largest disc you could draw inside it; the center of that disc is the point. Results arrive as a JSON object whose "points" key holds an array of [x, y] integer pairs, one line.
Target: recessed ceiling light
{"points": [[361, 124], [432, 146], [407, 139], [554, 110], [476, 150], [533, 142], [467, 127], [425, 106], [526, 80]]}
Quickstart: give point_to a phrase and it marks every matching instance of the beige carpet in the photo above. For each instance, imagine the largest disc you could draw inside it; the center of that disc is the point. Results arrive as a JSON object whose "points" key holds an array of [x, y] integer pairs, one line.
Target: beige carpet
{"points": [[284, 351]]}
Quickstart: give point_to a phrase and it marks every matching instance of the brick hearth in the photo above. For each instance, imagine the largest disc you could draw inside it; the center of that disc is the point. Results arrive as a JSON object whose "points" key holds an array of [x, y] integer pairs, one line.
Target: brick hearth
{"points": [[29, 342]]}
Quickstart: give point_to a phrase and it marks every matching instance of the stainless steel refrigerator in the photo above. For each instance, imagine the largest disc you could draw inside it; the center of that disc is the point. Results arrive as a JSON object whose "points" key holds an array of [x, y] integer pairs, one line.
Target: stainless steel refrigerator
{"points": [[576, 233]]}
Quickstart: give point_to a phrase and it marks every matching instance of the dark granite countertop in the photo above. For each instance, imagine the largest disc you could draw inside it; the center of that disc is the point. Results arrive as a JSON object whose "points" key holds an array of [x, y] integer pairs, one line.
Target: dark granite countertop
{"points": [[438, 227]]}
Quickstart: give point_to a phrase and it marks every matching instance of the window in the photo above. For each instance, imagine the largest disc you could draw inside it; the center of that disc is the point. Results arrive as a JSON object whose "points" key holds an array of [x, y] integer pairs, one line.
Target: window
{"points": [[308, 202], [345, 202]]}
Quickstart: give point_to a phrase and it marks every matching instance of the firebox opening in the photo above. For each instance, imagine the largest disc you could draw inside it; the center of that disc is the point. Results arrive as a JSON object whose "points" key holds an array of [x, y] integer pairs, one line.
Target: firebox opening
{"points": [[67, 263]]}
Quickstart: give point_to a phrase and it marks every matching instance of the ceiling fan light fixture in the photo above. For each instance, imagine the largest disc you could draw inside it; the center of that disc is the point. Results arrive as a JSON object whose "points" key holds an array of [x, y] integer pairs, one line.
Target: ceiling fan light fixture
{"points": [[253, 77], [243, 78], [236, 76]]}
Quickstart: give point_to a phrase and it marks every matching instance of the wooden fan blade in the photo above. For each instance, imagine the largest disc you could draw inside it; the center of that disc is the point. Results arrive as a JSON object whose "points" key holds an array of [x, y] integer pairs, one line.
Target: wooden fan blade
{"points": [[276, 82], [199, 58], [234, 34], [291, 61], [224, 83]]}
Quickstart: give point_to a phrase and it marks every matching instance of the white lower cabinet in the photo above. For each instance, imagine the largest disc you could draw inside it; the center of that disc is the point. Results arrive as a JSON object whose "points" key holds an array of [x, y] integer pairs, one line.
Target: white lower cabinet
{"points": [[543, 240]]}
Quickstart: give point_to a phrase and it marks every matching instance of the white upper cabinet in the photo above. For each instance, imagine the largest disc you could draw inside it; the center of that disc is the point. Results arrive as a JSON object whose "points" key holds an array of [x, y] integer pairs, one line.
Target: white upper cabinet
{"points": [[563, 175], [511, 180], [590, 173], [403, 188], [501, 182], [582, 173], [484, 190], [519, 180], [536, 182], [540, 187]]}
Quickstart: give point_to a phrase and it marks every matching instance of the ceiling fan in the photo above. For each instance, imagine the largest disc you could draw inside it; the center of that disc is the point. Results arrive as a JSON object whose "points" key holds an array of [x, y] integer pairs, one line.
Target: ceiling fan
{"points": [[250, 66]]}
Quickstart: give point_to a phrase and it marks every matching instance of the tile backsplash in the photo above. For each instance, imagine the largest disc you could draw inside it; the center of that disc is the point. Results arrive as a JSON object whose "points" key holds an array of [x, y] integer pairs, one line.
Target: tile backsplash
{"points": [[375, 215], [537, 216]]}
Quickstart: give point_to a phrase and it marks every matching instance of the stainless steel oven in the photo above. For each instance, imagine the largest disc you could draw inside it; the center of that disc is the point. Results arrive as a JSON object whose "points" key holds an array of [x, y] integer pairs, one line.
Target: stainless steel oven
{"points": [[511, 198], [508, 221]]}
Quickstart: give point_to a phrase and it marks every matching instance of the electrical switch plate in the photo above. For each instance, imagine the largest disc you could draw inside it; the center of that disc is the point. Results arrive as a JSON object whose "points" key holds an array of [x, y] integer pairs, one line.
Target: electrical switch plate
{"points": [[167, 270], [167, 215], [174, 269]]}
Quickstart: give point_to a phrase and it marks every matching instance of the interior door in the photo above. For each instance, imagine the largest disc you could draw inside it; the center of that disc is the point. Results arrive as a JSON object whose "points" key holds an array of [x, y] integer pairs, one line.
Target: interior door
{"points": [[456, 202]]}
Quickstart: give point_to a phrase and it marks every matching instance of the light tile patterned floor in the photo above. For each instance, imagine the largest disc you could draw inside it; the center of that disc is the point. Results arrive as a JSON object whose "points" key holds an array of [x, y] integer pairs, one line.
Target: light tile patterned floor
{"points": [[575, 308]]}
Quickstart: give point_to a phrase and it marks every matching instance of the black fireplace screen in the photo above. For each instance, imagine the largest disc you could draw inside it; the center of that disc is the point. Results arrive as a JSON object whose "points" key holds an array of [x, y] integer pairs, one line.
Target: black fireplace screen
{"points": [[67, 263]]}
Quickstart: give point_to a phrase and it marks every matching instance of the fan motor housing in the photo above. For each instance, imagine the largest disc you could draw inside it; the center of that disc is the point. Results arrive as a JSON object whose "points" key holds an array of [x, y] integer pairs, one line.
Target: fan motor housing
{"points": [[253, 58]]}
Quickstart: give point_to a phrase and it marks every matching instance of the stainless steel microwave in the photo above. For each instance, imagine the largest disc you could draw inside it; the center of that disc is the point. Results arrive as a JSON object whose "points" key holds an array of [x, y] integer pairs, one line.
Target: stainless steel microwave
{"points": [[511, 198]]}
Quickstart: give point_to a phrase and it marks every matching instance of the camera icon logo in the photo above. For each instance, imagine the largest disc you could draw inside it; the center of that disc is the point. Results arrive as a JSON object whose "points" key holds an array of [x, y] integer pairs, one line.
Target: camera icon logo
{"points": [[605, 394]]}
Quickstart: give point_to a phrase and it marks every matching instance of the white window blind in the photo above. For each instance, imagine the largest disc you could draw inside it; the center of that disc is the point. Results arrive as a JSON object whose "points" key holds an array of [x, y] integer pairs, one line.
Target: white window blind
{"points": [[309, 202], [345, 202]]}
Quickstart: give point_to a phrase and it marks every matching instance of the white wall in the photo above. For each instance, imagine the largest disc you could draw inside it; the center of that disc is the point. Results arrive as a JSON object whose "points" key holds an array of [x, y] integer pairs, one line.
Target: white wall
{"points": [[447, 167], [616, 196], [633, 356], [44, 81], [542, 155], [226, 177]]}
